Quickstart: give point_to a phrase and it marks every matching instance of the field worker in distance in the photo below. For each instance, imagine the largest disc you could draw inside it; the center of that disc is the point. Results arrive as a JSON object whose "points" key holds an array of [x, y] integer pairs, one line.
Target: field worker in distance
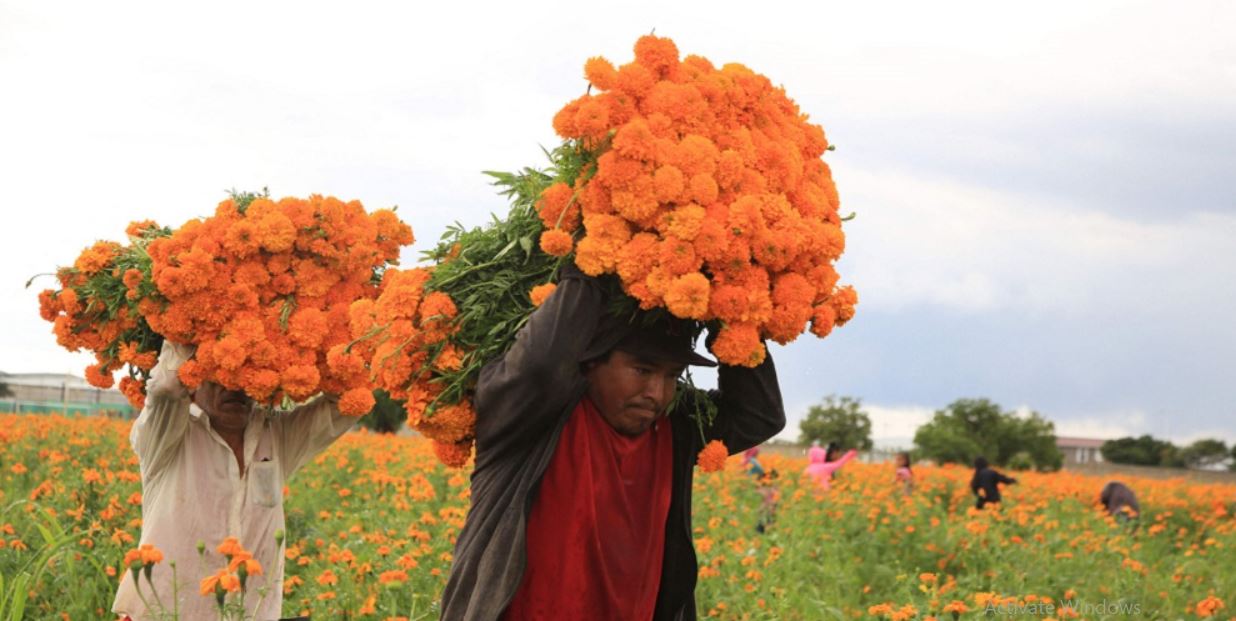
{"points": [[1119, 501], [903, 473], [581, 492], [824, 462], [986, 483], [214, 466], [751, 461]]}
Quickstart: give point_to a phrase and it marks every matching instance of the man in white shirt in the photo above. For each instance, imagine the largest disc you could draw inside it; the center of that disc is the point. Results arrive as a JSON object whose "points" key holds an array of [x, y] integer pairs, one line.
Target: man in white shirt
{"points": [[214, 466]]}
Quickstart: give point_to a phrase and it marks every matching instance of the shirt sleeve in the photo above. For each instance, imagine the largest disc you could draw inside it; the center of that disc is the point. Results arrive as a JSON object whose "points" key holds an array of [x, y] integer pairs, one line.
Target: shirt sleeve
{"points": [[520, 394], [749, 408], [160, 428], [309, 429]]}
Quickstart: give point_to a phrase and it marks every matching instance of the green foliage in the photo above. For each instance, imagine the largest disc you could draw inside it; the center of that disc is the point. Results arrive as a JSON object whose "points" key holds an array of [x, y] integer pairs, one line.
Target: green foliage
{"points": [[837, 419], [1205, 453], [968, 428], [488, 271], [387, 415], [5, 391], [1141, 451], [242, 199]]}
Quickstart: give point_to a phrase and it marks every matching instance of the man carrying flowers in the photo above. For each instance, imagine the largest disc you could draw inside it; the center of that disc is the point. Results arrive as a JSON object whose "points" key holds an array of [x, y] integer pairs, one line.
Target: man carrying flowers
{"points": [[213, 470], [581, 493]]}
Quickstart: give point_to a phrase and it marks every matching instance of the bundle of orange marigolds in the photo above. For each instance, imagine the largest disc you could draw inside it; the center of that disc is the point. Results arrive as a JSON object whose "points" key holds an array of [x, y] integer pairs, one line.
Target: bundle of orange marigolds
{"points": [[262, 289], [709, 199], [701, 190]]}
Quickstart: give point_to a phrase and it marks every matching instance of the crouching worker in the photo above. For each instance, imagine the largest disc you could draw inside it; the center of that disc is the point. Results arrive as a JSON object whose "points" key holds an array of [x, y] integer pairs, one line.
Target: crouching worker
{"points": [[213, 466], [581, 493]]}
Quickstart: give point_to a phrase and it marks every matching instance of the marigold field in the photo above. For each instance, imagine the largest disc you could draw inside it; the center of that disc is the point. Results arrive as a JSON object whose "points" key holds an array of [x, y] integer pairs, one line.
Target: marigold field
{"points": [[370, 526]]}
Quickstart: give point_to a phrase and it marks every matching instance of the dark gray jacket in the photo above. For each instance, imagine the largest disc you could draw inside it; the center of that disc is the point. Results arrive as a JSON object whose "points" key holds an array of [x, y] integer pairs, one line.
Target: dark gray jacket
{"points": [[523, 401]]}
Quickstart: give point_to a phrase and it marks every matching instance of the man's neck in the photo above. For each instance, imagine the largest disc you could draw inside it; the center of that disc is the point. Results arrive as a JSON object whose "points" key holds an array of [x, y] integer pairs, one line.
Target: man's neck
{"points": [[235, 439]]}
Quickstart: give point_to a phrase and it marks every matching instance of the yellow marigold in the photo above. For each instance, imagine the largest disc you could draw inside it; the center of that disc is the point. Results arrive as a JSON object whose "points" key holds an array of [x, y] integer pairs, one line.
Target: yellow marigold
{"points": [[556, 242], [712, 457], [540, 293]]}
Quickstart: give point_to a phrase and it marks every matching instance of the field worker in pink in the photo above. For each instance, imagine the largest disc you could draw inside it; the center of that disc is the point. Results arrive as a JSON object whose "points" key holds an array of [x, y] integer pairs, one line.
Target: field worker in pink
{"points": [[822, 463]]}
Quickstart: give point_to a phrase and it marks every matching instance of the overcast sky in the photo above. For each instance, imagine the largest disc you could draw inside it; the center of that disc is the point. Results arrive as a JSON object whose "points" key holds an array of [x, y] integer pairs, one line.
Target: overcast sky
{"points": [[1044, 192]]}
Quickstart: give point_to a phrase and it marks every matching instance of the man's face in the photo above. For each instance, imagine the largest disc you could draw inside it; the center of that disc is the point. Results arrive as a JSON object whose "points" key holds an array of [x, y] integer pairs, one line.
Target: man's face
{"points": [[630, 391], [227, 409]]}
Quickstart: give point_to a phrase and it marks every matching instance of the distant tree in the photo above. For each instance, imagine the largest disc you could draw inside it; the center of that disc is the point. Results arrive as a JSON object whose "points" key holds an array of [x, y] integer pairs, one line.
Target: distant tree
{"points": [[1172, 456], [837, 419], [1205, 453], [971, 427], [1232, 466], [1141, 451], [387, 415], [5, 391]]}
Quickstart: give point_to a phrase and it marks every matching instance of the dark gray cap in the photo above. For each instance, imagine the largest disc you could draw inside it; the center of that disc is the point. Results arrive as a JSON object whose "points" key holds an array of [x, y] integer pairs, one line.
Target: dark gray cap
{"points": [[658, 337]]}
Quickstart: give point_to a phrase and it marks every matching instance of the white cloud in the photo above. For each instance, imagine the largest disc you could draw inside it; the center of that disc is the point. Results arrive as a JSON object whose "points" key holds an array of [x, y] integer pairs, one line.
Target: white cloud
{"points": [[930, 241]]}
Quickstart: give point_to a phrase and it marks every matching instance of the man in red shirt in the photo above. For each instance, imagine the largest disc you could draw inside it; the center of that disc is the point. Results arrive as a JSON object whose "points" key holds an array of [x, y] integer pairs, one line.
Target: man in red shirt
{"points": [[581, 494]]}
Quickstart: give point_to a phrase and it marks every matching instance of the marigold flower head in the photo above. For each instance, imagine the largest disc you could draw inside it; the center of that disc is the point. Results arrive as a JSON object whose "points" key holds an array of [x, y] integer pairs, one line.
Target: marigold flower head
{"points": [[540, 293], [712, 456], [356, 402], [453, 454], [556, 242], [1209, 606]]}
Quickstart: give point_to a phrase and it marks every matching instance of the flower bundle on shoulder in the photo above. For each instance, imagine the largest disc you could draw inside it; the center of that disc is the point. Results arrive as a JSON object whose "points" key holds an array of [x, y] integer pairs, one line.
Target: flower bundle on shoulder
{"points": [[262, 289], [708, 198], [693, 190]]}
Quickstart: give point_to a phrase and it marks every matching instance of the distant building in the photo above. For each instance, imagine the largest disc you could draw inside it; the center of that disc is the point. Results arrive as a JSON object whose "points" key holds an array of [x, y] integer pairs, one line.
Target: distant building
{"points": [[44, 393], [1080, 450]]}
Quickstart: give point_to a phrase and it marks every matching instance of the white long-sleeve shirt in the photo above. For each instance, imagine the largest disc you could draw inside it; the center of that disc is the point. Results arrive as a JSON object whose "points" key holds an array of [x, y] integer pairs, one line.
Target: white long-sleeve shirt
{"points": [[193, 490]]}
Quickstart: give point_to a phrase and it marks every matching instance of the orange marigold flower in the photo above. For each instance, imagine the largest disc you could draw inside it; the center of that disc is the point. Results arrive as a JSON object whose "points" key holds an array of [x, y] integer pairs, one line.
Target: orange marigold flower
{"points": [[600, 73], [230, 547], [556, 242], [712, 456], [739, 344], [394, 575], [556, 207], [656, 53], [453, 454], [956, 606], [300, 381], [1209, 606], [356, 402], [138, 227], [687, 296], [150, 554], [540, 293], [96, 376]]}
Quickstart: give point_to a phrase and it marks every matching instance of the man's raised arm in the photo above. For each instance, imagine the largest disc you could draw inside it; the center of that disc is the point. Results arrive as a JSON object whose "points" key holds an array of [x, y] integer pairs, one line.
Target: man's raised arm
{"points": [[519, 395]]}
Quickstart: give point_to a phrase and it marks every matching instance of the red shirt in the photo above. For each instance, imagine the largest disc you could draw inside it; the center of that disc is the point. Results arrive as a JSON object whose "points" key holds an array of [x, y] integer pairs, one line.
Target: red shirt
{"points": [[596, 534]]}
